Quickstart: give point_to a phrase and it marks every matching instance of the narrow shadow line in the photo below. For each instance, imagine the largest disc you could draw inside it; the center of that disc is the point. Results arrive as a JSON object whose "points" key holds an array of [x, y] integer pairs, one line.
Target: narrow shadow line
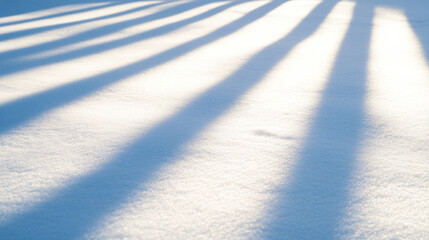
{"points": [[13, 67], [78, 208], [32, 31], [101, 31], [62, 14], [313, 204], [24, 109]]}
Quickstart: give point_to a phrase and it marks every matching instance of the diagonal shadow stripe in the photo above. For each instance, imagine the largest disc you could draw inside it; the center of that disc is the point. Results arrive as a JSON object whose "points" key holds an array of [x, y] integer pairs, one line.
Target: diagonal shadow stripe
{"points": [[55, 15], [32, 31], [312, 204], [13, 67], [102, 31], [42, 102], [18, 7], [73, 211]]}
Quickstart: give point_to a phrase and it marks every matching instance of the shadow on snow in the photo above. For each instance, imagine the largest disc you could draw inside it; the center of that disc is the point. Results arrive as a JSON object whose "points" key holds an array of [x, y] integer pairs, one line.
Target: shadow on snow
{"points": [[311, 205], [18, 66], [73, 211]]}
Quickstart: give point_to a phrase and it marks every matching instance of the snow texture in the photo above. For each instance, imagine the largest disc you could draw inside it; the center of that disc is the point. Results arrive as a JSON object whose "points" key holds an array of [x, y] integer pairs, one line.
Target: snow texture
{"points": [[214, 119]]}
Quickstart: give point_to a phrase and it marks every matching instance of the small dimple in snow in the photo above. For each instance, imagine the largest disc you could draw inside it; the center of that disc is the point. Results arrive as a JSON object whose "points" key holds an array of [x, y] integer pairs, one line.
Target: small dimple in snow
{"points": [[273, 135]]}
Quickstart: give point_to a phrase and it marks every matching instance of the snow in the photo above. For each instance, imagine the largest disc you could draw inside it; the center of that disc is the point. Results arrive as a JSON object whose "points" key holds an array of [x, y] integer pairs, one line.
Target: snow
{"points": [[235, 119]]}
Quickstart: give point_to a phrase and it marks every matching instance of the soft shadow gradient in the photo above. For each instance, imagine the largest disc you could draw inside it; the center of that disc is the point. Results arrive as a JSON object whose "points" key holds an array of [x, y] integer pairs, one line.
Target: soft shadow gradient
{"points": [[16, 7], [418, 17], [102, 31], [75, 210], [37, 30], [311, 205], [18, 112], [55, 15], [11, 67]]}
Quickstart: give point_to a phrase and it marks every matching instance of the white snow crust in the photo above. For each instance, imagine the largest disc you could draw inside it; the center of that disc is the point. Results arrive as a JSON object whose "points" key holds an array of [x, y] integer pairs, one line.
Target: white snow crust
{"points": [[214, 119]]}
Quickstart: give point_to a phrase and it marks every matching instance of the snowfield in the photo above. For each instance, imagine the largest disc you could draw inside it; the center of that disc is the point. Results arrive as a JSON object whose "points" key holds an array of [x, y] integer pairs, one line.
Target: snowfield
{"points": [[214, 119]]}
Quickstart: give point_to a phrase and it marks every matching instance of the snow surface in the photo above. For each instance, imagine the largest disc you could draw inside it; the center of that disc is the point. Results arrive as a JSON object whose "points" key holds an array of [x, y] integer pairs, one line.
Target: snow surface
{"points": [[214, 119]]}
